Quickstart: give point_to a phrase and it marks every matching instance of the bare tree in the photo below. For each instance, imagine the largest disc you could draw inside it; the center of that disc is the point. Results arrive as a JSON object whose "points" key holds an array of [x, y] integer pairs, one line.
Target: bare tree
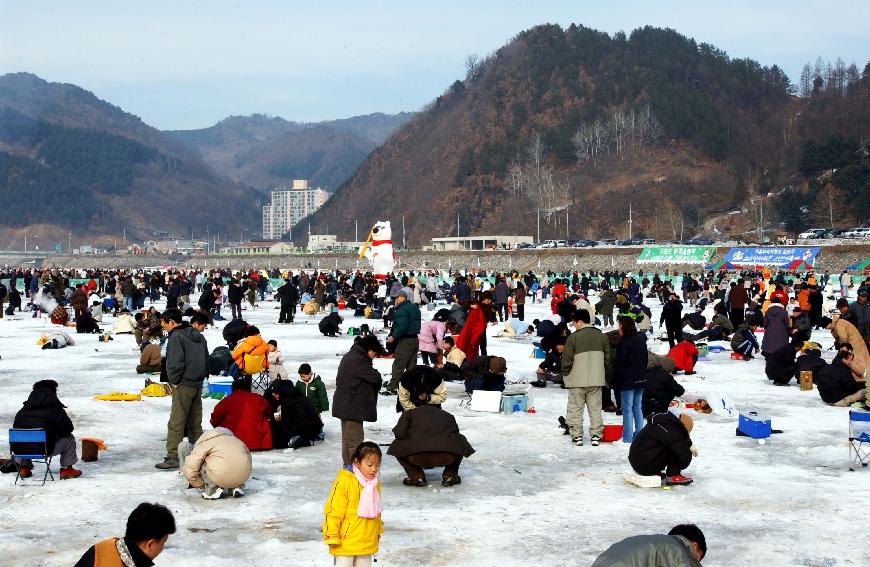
{"points": [[473, 66], [806, 82]]}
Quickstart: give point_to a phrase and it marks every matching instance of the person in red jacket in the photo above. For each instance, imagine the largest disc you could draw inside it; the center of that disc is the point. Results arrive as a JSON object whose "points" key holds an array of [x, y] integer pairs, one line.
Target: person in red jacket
{"points": [[685, 355], [559, 290], [245, 414]]}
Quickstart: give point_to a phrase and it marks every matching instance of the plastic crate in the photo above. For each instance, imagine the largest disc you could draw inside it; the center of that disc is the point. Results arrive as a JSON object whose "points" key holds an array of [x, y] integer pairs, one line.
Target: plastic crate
{"points": [[539, 353], [754, 423]]}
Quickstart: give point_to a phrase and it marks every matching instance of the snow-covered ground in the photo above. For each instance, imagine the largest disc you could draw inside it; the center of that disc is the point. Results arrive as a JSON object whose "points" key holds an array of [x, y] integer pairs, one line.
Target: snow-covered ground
{"points": [[528, 496]]}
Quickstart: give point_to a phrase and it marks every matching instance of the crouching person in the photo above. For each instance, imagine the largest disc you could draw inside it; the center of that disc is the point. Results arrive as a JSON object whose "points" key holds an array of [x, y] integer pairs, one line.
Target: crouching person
{"points": [[663, 444], [149, 358], [684, 546], [43, 410], [148, 529], [427, 436], [219, 463]]}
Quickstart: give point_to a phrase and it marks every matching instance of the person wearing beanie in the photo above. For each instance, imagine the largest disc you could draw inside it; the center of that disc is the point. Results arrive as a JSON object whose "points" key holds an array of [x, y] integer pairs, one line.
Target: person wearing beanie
{"points": [[664, 444], [356, 392], [403, 339]]}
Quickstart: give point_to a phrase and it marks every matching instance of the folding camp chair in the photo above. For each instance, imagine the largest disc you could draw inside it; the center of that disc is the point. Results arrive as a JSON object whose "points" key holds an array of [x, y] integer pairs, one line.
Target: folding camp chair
{"points": [[254, 367], [34, 439], [859, 438]]}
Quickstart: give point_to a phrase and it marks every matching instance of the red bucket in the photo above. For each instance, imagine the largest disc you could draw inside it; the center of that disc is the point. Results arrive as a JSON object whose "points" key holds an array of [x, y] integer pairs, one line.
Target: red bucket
{"points": [[612, 433]]}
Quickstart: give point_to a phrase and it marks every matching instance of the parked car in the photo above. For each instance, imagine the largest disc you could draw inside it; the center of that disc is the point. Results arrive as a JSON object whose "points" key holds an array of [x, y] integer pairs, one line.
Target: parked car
{"points": [[857, 232], [524, 246], [583, 243], [547, 244], [812, 233], [833, 233], [607, 242], [649, 242]]}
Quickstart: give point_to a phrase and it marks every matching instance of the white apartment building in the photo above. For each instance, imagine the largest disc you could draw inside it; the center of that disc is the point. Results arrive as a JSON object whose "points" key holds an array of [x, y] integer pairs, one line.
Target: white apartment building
{"points": [[290, 205]]}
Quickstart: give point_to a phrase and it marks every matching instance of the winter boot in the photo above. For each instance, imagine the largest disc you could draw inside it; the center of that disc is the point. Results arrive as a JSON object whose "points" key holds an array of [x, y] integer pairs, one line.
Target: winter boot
{"points": [[24, 472], [69, 472], [167, 464]]}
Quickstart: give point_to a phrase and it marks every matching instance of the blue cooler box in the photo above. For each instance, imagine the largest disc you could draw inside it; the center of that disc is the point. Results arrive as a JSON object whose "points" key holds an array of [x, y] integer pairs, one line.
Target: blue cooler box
{"points": [[222, 387], [520, 402], [754, 423], [540, 353]]}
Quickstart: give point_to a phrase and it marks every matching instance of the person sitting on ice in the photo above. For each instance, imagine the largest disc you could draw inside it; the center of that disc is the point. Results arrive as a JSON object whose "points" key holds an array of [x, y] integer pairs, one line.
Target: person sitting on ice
{"points": [[148, 528], [43, 410], [551, 367], [245, 414], [811, 361], [719, 328], [330, 325], [664, 445], [149, 358], [125, 323], [685, 356], [839, 384], [780, 364], [683, 546], [484, 373], [85, 324], [659, 390], [219, 463], [420, 385], [744, 342], [451, 370], [296, 423]]}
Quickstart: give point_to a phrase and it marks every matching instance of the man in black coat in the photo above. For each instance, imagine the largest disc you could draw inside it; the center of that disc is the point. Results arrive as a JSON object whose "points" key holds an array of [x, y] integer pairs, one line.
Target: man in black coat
{"points": [[837, 384], [672, 317], [289, 295], [43, 410], [780, 364], [659, 390], [234, 298], [664, 443], [357, 383], [812, 361], [299, 424]]}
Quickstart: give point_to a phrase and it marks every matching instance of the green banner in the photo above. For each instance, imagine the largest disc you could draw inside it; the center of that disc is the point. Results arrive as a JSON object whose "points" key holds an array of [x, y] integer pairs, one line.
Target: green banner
{"points": [[676, 254]]}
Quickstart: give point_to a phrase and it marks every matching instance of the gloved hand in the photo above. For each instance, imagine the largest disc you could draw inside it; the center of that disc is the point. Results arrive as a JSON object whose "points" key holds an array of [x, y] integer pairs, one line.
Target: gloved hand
{"points": [[694, 450]]}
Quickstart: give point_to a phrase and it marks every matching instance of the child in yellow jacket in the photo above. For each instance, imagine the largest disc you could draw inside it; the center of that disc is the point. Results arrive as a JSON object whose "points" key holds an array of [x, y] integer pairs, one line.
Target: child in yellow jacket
{"points": [[352, 525]]}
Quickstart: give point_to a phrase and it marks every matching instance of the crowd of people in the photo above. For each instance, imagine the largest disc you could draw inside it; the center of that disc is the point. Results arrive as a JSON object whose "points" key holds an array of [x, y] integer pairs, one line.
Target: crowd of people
{"points": [[597, 342]]}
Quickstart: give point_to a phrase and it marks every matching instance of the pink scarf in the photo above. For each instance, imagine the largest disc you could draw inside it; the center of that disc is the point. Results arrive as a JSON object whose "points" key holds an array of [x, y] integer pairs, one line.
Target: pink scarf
{"points": [[370, 499]]}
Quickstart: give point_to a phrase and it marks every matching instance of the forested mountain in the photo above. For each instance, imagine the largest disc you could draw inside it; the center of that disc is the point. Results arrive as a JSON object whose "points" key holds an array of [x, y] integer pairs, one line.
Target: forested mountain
{"points": [[580, 119], [70, 161], [266, 151]]}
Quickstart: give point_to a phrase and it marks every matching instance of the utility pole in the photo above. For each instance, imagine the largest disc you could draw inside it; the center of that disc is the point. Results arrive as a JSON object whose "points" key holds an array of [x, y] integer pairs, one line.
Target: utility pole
{"points": [[355, 232], [403, 232], [457, 224], [25, 242], [69, 242], [629, 221], [566, 223], [539, 225]]}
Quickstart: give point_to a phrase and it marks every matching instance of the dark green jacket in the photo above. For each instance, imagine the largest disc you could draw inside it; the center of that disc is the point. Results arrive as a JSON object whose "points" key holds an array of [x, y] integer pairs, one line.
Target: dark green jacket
{"points": [[315, 391], [406, 321]]}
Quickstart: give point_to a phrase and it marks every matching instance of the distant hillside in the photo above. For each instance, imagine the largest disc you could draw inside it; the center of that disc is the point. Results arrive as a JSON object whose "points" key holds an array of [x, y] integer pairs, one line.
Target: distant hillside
{"points": [[578, 118], [69, 160], [265, 151]]}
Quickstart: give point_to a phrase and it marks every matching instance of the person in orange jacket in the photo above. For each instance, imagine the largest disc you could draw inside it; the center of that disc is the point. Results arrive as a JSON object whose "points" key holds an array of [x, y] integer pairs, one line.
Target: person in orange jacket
{"points": [[685, 355], [253, 344], [558, 294]]}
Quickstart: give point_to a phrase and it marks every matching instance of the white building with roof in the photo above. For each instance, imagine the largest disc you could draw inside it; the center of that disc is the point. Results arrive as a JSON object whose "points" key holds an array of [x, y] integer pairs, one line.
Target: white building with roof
{"points": [[290, 205]]}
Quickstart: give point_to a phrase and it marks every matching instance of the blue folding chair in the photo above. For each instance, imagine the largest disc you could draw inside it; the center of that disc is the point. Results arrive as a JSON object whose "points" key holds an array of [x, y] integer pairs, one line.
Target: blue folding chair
{"points": [[859, 438], [34, 438]]}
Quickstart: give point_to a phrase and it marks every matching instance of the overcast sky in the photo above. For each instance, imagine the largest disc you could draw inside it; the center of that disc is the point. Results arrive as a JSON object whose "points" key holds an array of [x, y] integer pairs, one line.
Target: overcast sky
{"points": [[187, 64]]}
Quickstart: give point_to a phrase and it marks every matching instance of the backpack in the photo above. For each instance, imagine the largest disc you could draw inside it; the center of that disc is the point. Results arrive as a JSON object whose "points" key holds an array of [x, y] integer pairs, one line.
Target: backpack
{"points": [[219, 360]]}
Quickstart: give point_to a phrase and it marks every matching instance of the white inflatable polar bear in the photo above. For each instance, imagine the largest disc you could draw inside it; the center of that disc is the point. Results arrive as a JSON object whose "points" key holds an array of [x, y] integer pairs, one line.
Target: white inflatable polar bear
{"points": [[380, 253]]}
